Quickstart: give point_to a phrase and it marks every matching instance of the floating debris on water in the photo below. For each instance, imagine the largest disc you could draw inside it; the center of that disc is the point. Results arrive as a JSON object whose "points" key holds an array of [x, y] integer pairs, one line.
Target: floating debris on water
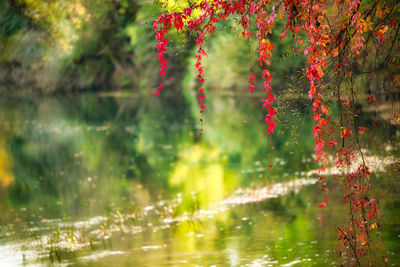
{"points": [[244, 196]]}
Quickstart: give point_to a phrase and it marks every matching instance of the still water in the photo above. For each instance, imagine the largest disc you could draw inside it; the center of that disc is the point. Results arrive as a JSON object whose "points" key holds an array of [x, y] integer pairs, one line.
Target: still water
{"points": [[99, 180]]}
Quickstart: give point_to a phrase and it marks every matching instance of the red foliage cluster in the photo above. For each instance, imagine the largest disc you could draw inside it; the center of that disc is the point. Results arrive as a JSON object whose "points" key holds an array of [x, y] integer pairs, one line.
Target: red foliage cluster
{"points": [[334, 42]]}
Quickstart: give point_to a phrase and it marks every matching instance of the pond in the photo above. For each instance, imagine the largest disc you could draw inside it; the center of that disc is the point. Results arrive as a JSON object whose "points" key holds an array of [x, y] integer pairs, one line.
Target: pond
{"points": [[106, 180]]}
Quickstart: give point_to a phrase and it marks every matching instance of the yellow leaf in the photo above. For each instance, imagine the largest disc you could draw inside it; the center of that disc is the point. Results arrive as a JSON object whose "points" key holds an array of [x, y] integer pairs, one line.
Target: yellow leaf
{"points": [[319, 71], [335, 52]]}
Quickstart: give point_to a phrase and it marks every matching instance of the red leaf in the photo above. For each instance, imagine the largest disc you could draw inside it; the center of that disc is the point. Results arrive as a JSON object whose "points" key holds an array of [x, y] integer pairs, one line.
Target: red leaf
{"points": [[362, 130]]}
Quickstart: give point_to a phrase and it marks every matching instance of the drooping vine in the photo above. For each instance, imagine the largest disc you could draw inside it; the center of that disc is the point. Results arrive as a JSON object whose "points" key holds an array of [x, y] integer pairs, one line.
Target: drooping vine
{"points": [[336, 37]]}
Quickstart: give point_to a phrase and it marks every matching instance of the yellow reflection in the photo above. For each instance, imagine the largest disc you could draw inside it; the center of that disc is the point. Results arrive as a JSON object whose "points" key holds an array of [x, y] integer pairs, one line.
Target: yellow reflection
{"points": [[6, 176], [185, 235], [200, 169], [202, 179]]}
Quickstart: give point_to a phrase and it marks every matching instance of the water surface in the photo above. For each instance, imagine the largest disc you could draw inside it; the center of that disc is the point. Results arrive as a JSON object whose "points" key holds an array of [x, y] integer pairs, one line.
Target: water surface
{"points": [[89, 180]]}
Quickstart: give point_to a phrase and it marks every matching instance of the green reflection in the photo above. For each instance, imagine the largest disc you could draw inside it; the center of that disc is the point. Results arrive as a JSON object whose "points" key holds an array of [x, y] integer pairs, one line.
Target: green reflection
{"points": [[137, 163]]}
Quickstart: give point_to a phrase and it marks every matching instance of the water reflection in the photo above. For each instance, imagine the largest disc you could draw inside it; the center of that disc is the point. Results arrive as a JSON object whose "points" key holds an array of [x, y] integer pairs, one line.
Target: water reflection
{"points": [[95, 181]]}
